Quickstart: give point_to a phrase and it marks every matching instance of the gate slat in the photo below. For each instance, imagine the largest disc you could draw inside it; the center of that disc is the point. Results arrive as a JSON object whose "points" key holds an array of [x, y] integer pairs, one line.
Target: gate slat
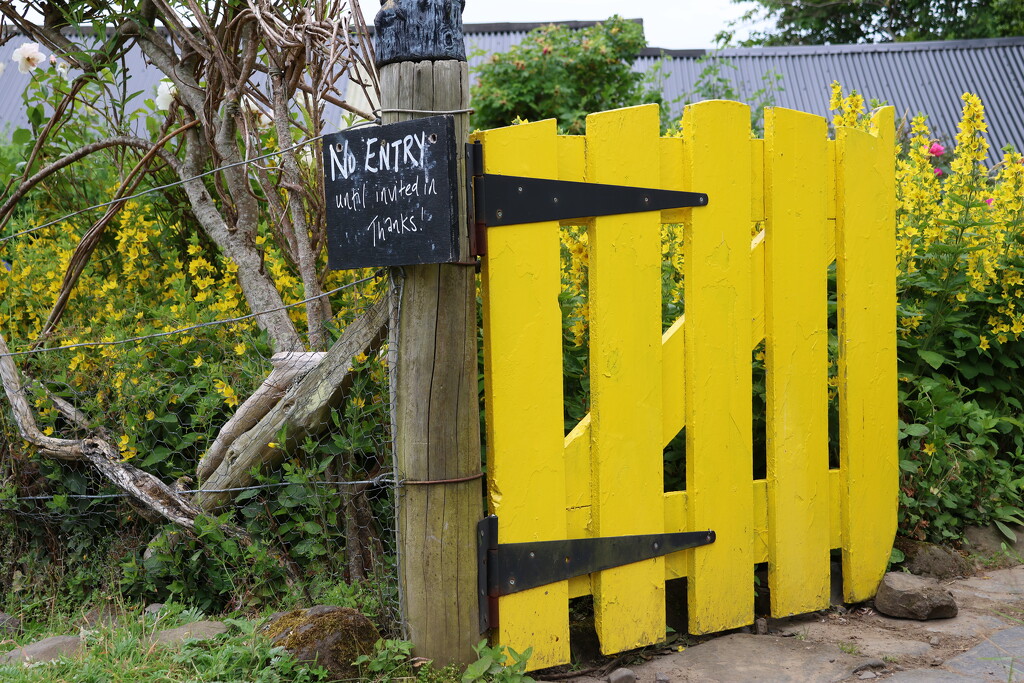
{"points": [[625, 371], [523, 370], [796, 363], [866, 286], [718, 382]]}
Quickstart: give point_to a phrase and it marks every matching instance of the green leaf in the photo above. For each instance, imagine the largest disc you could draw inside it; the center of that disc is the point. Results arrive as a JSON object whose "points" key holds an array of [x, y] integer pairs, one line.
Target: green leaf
{"points": [[1007, 531], [21, 136], [477, 669], [932, 358], [916, 430]]}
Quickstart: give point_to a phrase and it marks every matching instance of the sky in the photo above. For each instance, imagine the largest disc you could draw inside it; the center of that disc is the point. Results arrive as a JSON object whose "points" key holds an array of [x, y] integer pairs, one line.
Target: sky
{"points": [[669, 24]]}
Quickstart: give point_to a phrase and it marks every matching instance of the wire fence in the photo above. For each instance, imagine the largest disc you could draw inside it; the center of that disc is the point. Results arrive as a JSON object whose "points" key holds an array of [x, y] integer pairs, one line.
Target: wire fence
{"points": [[317, 505]]}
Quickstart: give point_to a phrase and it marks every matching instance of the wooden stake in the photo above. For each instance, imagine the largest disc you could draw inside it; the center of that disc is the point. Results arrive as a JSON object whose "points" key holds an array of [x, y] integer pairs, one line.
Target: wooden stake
{"points": [[437, 408]]}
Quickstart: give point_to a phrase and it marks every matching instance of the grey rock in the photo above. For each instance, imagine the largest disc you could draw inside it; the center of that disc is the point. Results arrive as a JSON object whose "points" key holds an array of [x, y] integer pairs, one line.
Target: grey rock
{"points": [[102, 615], [934, 640], [987, 540], [331, 636], [154, 608], [870, 664], [914, 597], [928, 559], [761, 626], [865, 675], [9, 626], [47, 649], [662, 678], [622, 676], [197, 630]]}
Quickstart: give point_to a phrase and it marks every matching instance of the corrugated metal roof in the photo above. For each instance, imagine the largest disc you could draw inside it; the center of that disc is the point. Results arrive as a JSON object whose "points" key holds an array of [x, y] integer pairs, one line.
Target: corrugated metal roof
{"points": [[924, 77]]}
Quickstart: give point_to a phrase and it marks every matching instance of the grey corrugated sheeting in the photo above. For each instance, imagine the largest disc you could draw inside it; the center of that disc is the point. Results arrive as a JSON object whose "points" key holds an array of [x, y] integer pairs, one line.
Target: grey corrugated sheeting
{"points": [[914, 77]]}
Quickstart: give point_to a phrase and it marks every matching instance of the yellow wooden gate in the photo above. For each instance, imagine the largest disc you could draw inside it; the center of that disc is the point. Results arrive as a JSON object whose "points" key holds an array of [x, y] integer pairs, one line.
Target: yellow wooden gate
{"points": [[818, 201]]}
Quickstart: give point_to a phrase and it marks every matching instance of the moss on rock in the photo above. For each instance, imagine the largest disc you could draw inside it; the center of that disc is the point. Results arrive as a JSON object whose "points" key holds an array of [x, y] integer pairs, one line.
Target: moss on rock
{"points": [[333, 637]]}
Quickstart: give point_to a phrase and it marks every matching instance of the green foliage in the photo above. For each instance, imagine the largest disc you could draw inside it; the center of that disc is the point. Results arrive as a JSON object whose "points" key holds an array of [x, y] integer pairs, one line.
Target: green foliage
{"points": [[495, 666], [565, 74], [122, 654], [816, 22]]}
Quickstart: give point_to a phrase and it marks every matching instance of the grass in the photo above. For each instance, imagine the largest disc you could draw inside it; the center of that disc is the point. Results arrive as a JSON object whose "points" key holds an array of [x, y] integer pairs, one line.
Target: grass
{"points": [[122, 653], [849, 648]]}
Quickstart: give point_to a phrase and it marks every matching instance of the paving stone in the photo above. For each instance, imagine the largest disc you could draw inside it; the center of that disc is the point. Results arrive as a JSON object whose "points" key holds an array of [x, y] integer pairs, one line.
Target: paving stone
{"points": [[999, 657]]}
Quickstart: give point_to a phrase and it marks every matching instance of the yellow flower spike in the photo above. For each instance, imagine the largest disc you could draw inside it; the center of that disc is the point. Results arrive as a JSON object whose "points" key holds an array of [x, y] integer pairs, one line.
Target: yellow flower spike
{"points": [[197, 362]]}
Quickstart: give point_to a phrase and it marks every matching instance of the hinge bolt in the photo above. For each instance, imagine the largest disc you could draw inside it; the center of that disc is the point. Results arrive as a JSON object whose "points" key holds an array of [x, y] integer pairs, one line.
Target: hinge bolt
{"points": [[512, 581], [499, 213]]}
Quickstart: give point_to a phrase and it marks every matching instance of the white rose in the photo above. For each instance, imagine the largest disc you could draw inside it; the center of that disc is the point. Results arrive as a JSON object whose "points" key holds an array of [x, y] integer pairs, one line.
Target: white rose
{"points": [[28, 57], [165, 94], [62, 69]]}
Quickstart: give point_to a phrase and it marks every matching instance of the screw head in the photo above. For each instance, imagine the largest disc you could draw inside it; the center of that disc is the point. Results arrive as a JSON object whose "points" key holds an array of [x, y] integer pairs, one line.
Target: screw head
{"points": [[512, 581], [499, 213]]}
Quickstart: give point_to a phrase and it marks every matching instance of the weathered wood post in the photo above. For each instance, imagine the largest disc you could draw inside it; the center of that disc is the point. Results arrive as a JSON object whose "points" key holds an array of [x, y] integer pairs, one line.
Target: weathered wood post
{"points": [[423, 70]]}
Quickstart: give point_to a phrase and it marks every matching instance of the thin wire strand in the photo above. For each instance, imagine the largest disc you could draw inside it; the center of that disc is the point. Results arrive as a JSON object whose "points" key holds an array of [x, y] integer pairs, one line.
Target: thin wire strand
{"points": [[4, 240], [226, 321], [400, 110], [376, 481]]}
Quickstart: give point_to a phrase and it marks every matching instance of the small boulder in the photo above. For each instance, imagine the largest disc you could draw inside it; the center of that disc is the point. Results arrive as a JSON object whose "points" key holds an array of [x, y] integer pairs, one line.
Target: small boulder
{"points": [[914, 597], [622, 676], [197, 630], [333, 637], [46, 650], [9, 626], [102, 615], [928, 559]]}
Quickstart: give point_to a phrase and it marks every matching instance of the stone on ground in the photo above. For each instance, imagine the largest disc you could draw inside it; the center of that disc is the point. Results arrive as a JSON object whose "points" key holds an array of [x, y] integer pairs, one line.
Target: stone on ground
{"points": [[197, 630], [9, 626], [333, 637], [914, 597], [47, 649], [622, 676]]}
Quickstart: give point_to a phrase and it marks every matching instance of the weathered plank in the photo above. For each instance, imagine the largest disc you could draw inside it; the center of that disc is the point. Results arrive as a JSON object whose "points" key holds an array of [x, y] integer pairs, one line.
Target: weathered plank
{"points": [[625, 377], [796, 362], [718, 383], [866, 288]]}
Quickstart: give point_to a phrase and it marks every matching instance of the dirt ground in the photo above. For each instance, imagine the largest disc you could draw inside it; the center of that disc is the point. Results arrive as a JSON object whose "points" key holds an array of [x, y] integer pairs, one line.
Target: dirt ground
{"points": [[985, 641]]}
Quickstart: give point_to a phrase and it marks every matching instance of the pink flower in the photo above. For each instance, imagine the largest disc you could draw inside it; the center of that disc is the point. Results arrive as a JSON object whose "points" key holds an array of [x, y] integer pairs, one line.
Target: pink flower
{"points": [[989, 201], [938, 171], [936, 149]]}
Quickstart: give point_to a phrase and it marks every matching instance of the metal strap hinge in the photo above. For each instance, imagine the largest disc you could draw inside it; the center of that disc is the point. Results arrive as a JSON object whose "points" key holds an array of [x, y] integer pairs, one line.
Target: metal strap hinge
{"points": [[511, 200], [506, 568]]}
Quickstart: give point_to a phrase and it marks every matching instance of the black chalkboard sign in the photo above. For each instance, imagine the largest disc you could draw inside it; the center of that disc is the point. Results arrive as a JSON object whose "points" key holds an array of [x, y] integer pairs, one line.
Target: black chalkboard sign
{"points": [[391, 194]]}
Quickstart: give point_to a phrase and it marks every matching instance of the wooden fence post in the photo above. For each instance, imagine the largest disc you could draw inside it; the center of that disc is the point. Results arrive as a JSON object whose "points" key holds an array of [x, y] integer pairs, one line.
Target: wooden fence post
{"points": [[421, 57]]}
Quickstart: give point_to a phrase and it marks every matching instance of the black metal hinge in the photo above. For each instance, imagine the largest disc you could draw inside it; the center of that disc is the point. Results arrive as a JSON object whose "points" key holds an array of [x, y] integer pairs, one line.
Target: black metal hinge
{"points": [[510, 200], [506, 568]]}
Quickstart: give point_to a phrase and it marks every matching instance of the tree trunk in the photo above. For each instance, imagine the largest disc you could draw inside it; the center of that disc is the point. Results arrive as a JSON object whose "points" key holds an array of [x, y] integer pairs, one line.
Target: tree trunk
{"points": [[303, 411]]}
